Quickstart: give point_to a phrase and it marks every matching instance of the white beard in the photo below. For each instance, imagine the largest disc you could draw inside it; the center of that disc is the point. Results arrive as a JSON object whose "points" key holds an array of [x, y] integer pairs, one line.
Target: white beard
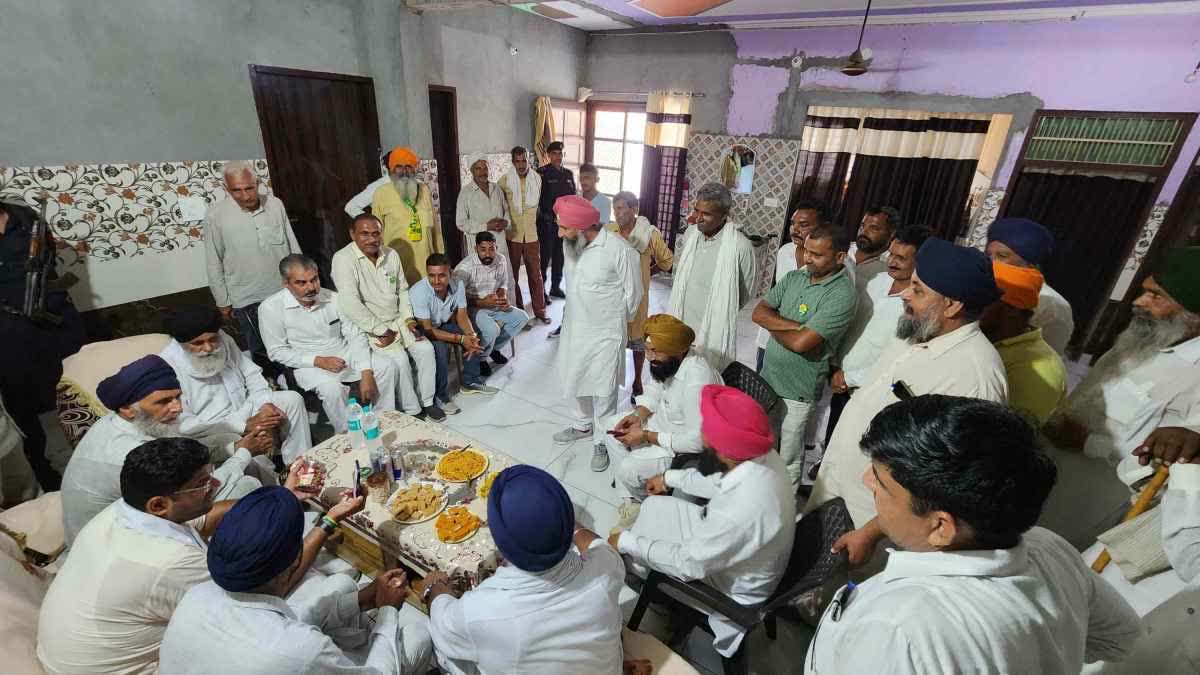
{"points": [[206, 365], [408, 187], [149, 426]]}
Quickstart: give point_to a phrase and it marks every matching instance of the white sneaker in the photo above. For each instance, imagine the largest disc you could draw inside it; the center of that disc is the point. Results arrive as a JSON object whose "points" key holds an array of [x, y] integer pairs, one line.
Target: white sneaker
{"points": [[570, 435], [450, 408], [627, 514], [600, 459]]}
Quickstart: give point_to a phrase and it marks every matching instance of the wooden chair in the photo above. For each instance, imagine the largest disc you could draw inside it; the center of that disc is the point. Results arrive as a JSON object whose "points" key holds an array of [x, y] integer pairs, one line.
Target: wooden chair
{"points": [[810, 566]]}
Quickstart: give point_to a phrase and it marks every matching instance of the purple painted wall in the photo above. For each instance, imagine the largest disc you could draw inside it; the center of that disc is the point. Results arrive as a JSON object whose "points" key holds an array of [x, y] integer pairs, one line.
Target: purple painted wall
{"points": [[1134, 63]]}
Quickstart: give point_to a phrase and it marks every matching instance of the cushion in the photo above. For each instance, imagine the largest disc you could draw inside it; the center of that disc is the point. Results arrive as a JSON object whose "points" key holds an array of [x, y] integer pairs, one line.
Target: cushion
{"points": [[78, 406], [22, 589], [40, 520]]}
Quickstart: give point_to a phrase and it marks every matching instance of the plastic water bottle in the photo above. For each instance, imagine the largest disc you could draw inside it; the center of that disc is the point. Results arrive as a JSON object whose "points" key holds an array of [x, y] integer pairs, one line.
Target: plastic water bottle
{"points": [[371, 434], [381, 460], [354, 415]]}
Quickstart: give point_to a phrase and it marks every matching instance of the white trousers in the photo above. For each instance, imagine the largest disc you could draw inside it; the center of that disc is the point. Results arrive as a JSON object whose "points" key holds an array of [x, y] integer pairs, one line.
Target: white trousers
{"points": [[296, 435], [635, 466], [335, 395], [592, 412], [413, 393], [795, 422], [672, 520]]}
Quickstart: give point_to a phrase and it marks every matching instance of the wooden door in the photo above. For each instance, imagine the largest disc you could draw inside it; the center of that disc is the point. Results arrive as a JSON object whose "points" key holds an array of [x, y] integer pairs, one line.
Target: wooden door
{"points": [[321, 134], [443, 123]]}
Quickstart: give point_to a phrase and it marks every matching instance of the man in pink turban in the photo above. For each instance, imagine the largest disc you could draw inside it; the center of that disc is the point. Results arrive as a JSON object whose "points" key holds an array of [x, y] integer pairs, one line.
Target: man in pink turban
{"points": [[741, 541], [605, 286]]}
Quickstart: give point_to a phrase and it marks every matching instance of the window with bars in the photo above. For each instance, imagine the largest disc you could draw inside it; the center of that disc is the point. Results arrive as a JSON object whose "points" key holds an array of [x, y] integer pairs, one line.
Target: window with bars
{"points": [[616, 134], [570, 120], [671, 168], [1131, 141]]}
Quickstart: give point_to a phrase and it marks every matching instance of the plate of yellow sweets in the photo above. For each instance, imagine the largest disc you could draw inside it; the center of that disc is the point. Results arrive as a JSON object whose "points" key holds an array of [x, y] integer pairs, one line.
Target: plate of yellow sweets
{"points": [[461, 465], [457, 524], [485, 485], [417, 502]]}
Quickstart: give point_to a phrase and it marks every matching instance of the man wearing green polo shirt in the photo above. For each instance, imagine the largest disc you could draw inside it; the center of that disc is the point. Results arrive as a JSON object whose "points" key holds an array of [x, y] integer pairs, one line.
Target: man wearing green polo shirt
{"points": [[807, 314]]}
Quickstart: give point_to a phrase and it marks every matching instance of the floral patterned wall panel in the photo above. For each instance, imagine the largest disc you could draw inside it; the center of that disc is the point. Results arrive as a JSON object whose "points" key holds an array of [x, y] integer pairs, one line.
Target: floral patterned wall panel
{"points": [[498, 164], [764, 209], [105, 212]]}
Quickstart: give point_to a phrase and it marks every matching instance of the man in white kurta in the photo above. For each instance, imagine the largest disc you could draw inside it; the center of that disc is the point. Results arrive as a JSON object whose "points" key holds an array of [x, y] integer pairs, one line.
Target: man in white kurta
{"points": [[304, 330], [224, 389], [1149, 379], [740, 542], [373, 293], [145, 397], [482, 207], [945, 353], [240, 623], [666, 419], [716, 273], [1024, 243], [605, 287], [550, 608], [972, 587]]}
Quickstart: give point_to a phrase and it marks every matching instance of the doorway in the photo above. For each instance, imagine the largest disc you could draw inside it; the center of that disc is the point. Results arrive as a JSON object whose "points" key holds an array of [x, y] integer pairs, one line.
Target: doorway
{"points": [[443, 123], [321, 135]]}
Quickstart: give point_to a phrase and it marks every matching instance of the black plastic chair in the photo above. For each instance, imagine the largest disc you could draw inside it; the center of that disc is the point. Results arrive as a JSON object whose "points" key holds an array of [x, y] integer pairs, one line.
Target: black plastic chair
{"points": [[810, 565], [744, 379]]}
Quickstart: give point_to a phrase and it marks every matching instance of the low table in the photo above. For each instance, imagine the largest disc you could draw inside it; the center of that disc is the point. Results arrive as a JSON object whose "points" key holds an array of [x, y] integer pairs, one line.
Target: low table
{"points": [[375, 542]]}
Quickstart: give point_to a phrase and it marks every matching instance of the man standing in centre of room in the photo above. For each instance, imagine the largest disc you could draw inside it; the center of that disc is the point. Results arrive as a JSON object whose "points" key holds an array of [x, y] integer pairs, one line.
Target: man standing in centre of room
{"points": [[405, 207]]}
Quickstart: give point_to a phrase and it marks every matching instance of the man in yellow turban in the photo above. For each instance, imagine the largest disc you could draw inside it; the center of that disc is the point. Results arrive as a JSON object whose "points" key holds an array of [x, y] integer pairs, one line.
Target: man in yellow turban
{"points": [[1037, 378], [666, 421], [405, 207]]}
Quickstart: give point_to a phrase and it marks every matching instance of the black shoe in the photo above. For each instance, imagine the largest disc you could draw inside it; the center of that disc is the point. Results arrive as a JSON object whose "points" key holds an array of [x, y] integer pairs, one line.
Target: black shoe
{"points": [[557, 292], [434, 412], [548, 300], [485, 369], [498, 358]]}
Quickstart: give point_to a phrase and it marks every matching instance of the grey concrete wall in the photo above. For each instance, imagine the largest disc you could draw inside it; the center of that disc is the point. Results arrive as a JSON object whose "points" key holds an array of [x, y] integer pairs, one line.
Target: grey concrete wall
{"points": [[699, 62], [154, 80]]}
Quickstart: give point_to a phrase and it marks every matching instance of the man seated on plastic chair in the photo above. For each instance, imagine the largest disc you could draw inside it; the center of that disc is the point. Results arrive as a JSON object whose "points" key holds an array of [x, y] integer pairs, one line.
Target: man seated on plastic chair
{"points": [[666, 421], [740, 542], [971, 586]]}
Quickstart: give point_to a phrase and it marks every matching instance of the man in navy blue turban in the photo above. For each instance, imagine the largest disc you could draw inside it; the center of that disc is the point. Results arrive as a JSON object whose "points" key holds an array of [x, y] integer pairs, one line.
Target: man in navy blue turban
{"points": [[549, 608], [240, 623], [145, 403], [1024, 243]]}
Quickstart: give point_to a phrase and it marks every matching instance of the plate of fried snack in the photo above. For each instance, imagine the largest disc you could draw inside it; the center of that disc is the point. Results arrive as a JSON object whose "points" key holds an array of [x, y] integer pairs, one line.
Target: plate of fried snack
{"points": [[485, 485], [461, 465], [417, 502], [456, 524]]}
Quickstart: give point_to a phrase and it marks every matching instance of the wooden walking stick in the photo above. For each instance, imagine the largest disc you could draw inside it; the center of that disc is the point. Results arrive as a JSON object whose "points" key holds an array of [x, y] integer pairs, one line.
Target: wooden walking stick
{"points": [[1143, 501]]}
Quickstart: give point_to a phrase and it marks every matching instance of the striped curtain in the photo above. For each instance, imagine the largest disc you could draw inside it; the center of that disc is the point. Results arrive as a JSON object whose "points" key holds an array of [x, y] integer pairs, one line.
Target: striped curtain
{"points": [[664, 161], [921, 163], [827, 145], [543, 129]]}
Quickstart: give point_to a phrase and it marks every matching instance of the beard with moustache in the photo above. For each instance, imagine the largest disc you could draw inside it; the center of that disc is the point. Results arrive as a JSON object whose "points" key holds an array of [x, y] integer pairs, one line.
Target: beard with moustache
{"points": [[143, 422], [918, 329], [661, 371], [408, 187], [1147, 335], [864, 244], [206, 365]]}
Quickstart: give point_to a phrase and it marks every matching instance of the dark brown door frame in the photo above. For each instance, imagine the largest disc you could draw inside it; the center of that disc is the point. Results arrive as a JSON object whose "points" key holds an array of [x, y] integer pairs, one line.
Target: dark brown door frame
{"points": [[452, 173], [1102, 324]]}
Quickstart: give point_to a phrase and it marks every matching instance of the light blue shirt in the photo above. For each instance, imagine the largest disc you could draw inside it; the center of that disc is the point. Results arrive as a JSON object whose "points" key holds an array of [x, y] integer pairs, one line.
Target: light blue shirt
{"points": [[427, 305], [603, 204]]}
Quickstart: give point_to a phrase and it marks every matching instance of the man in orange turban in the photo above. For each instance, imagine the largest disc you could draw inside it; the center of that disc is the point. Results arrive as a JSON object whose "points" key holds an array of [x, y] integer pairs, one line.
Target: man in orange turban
{"points": [[1037, 378], [405, 207]]}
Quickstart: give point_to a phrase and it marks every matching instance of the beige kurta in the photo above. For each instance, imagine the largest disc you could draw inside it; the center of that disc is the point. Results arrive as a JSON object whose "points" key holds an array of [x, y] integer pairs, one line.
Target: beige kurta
{"points": [[389, 207], [649, 243]]}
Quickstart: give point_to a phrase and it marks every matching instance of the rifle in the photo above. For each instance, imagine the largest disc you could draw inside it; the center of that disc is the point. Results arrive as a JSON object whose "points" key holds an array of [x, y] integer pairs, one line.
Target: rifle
{"points": [[37, 266]]}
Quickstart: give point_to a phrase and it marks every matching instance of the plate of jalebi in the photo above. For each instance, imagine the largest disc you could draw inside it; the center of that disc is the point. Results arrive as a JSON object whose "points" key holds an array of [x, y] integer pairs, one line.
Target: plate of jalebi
{"points": [[461, 465], [456, 524], [485, 485]]}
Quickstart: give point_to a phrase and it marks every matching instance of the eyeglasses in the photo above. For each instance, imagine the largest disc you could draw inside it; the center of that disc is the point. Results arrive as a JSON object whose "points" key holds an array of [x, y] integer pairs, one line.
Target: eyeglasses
{"points": [[210, 485]]}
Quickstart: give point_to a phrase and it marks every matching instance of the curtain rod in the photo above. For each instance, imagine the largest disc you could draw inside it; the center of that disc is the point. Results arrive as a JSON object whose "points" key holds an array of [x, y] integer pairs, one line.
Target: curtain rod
{"points": [[689, 94]]}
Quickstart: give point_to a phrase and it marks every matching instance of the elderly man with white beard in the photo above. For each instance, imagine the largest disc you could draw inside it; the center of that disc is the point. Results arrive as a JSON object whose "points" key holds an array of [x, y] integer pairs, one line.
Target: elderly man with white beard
{"points": [[1149, 379], [944, 352], [405, 207], [225, 390], [145, 400]]}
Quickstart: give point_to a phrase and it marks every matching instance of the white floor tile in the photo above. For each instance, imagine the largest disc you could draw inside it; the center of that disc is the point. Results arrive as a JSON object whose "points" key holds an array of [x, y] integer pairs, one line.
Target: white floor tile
{"points": [[573, 469], [510, 425]]}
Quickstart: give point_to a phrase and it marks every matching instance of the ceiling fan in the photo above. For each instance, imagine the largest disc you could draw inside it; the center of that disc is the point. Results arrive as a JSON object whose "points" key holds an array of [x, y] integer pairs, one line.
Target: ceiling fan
{"points": [[860, 59]]}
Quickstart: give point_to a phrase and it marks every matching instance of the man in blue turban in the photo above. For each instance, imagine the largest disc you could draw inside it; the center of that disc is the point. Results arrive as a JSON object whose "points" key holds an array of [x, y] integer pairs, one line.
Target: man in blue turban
{"points": [[1024, 243], [240, 623], [145, 403], [548, 608], [941, 351]]}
